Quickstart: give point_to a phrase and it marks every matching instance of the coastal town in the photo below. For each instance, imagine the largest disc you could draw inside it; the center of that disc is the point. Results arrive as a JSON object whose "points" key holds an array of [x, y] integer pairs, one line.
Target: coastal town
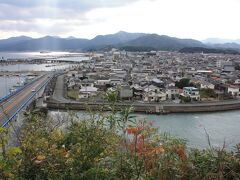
{"points": [[119, 90], [169, 77]]}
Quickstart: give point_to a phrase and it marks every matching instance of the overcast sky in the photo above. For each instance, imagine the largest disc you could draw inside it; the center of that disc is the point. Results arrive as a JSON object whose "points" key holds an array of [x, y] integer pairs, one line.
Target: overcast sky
{"points": [[198, 19]]}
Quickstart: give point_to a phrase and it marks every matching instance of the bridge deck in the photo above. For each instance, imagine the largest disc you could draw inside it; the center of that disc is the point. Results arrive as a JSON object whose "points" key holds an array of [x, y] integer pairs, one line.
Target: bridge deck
{"points": [[10, 106]]}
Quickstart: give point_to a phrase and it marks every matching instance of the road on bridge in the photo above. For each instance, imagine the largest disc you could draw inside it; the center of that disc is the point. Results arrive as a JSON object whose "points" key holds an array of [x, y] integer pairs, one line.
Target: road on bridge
{"points": [[14, 103]]}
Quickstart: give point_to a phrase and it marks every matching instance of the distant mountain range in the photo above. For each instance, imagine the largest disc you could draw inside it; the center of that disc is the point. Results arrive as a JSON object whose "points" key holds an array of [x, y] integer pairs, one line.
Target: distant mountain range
{"points": [[220, 41], [122, 40]]}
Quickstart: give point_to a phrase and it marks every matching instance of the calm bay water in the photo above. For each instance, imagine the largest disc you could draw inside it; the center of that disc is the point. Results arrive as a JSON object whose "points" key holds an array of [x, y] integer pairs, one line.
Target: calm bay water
{"points": [[33, 67], [32, 55], [221, 126], [61, 56], [6, 82]]}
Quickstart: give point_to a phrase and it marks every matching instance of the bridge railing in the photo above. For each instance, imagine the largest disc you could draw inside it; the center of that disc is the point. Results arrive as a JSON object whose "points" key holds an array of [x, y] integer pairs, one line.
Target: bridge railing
{"points": [[18, 90], [25, 103]]}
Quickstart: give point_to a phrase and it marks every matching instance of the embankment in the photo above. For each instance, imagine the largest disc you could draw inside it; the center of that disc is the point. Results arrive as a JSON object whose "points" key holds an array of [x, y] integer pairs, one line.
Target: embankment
{"points": [[157, 108]]}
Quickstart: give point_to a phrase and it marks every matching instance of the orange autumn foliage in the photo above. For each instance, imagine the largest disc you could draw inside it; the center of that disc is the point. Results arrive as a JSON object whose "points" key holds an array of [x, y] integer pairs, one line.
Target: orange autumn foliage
{"points": [[139, 145], [134, 130], [180, 151]]}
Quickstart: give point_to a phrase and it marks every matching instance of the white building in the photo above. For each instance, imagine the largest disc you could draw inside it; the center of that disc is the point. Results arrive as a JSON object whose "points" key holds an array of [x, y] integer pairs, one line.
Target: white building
{"points": [[234, 91], [115, 82], [237, 81], [206, 85], [154, 94], [219, 63], [88, 91], [172, 92], [102, 82], [191, 92]]}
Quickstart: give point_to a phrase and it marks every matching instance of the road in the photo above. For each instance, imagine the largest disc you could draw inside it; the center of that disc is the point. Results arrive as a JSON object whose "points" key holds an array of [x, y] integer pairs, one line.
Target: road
{"points": [[59, 99], [58, 93], [14, 103], [58, 96]]}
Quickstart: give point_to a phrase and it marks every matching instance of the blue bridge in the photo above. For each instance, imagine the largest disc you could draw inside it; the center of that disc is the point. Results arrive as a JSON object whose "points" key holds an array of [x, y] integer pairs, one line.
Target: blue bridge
{"points": [[12, 104]]}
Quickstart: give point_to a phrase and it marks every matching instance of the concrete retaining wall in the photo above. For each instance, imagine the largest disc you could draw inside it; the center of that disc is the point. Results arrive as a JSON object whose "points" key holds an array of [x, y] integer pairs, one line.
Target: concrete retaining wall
{"points": [[204, 108], [151, 108]]}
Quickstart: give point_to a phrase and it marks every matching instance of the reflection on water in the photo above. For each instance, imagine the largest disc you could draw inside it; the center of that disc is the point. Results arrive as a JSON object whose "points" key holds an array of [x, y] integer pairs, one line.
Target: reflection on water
{"points": [[7, 82], [221, 126], [60, 56], [33, 67], [30, 55]]}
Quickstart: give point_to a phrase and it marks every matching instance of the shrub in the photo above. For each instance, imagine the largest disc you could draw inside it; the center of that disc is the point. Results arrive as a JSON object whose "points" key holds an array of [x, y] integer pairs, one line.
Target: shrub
{"points": [[97, 148]]}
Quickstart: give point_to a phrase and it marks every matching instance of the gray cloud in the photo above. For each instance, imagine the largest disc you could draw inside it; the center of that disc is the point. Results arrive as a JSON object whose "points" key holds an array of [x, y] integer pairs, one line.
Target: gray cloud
{"points": [[53, 9], [64, 15], [81, 5], [32, 26], [8, 12]]}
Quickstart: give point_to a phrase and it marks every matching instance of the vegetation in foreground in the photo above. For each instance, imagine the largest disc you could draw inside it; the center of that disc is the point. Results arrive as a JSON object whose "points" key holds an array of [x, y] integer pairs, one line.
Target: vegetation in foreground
{"points": [[108, 146]]}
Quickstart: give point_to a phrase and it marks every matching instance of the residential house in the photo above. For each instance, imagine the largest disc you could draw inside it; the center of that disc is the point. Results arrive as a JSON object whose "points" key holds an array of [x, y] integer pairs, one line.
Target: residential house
{"points": [[191, 92], [233, 91], [126, 92], [154, 94], [115, 81], [172, 92], [206, 85], [87, 91], [137, 92], [87, 83]]}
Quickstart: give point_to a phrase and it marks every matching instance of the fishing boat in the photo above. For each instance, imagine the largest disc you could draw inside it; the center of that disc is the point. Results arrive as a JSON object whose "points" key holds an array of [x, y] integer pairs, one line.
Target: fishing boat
{"points": [[44, 52]]}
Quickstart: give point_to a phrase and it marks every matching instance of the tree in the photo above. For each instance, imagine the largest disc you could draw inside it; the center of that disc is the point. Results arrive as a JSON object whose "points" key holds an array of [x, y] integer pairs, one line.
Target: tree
{"points": [[207, 93], [182, 83], [98, 148]]}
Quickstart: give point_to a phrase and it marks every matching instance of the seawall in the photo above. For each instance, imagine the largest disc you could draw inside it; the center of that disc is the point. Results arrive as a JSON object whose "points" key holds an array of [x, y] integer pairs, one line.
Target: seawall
{"points": [[156, 108]]}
